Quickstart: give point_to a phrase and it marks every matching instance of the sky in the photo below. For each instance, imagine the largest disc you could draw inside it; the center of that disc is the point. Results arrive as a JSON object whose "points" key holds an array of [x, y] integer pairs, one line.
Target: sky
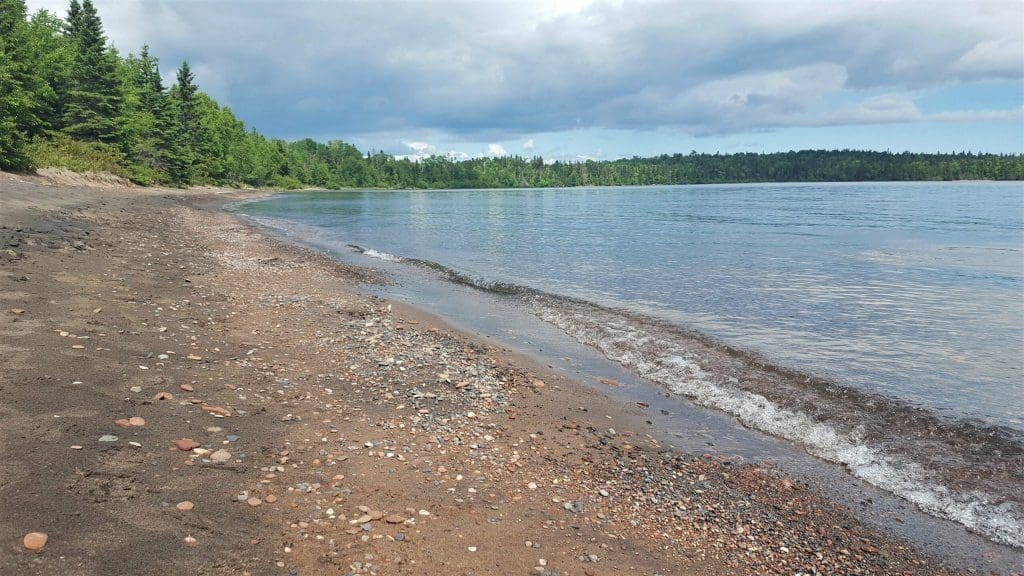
{"points": [[583, 79]]}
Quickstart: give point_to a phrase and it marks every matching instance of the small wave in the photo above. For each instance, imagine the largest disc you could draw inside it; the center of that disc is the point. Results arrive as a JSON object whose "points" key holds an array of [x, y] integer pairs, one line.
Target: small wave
{"points": [[376, 254], [668, 363]]}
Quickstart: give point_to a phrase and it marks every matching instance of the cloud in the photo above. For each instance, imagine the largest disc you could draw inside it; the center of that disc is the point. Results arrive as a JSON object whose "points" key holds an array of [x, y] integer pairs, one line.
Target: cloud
{"points": [[504, 70], [496, 150], [529, 145]]}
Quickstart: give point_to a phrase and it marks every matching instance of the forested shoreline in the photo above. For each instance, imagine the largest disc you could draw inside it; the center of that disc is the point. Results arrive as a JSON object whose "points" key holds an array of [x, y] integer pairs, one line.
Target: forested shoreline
{"points": [[69, 99]]}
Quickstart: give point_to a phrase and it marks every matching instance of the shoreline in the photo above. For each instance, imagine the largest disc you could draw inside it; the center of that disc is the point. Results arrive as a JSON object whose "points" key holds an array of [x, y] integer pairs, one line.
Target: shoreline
{"points": [[335, 400]]}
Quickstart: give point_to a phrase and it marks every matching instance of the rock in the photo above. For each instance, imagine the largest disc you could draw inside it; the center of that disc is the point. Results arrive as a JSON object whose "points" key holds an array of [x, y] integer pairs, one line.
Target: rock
{"points": [[220, 456], [186, 444], [137, 421], [194, 357], [215, 410], [190, 541], [108, 438], [35, 541], [122, 423], [609, 382], [270, 499], [185, 506], [471, 548], [163, 396], [187, 387], [394, 519], [532, 485], [254, 501]]}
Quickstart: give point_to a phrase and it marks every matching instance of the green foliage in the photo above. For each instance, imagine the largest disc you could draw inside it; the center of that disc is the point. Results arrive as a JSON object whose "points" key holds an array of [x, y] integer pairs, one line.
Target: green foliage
{"points": [[68, 99], [61, 151], [94, 98]]}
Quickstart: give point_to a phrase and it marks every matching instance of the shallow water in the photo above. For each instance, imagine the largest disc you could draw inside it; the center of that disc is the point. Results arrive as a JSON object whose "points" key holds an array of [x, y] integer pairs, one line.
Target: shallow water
{"points": [[898, 307]]}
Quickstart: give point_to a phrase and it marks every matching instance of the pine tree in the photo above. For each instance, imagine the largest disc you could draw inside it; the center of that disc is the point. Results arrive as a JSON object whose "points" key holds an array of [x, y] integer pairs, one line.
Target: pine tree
{"points": [[94, 100], [149, 122], [17, 112], [186, 132]]}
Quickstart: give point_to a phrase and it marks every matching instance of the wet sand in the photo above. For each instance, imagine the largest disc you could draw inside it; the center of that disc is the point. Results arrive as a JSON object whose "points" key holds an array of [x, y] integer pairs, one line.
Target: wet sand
{"points": [[334, 432]]}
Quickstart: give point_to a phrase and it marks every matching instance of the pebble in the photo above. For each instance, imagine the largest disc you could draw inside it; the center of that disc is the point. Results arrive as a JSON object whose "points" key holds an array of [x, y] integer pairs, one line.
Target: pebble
{"points": [[185, 444], [35, 541], [137, 421], [220, 456], [270, 499], [108, 438], [471, 548], [189, 540], [187, 387], [254, 501], [185, 506]]}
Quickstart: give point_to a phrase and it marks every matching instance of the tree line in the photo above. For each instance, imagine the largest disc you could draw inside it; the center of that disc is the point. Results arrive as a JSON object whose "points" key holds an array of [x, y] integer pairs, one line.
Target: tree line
{"points": [[68, 98]]}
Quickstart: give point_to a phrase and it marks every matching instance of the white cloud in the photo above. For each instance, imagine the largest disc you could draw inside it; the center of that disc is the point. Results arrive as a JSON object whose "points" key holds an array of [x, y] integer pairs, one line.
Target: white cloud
{"points": [[498, 71], [496, 150], [528, 145]]}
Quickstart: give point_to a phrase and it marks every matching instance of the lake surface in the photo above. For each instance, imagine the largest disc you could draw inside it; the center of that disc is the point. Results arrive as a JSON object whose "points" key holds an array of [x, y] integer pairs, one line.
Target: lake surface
{"points": [[876, 306]]}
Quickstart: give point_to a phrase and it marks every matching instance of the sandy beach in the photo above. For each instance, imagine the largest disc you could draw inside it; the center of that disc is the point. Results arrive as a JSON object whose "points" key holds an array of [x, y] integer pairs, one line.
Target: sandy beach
{"points": [[182, 393]]}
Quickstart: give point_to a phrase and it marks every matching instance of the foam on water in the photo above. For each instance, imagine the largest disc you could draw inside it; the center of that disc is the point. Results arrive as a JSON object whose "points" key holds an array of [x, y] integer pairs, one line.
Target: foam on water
{"points": [[672, 365]]}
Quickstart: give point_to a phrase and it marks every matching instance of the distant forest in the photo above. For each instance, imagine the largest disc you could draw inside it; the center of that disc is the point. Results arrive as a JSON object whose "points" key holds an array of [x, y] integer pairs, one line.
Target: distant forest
{"points": [[69, 99]]}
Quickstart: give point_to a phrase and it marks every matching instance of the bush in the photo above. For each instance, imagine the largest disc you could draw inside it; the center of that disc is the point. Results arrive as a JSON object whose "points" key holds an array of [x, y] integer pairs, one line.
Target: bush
{"points": [[60, 151]]}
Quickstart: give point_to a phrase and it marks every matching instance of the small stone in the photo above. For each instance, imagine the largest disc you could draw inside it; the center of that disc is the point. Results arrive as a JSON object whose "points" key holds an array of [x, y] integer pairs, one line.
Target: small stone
{"points": [[187, 387], [532, 485], [424, 513], [163, 396], [122, 423], [185, 506], [136, 389], [108, 438], [76, 447], [194, 357], [394, 518], [254, 501], [270, 499], [189, 540], [471, 548], [186, 444], [220, 456], [35, 541], [137, 421]]}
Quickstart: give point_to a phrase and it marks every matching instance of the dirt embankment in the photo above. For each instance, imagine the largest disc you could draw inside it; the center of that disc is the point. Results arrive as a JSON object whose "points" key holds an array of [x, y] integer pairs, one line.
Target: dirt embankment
{"points": [[181, 394]]}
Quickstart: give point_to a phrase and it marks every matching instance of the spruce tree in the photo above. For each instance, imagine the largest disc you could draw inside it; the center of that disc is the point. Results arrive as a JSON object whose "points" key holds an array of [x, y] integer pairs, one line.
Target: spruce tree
{"points": [[94, 100], [186, 132], [149, 118], [17, 112]]}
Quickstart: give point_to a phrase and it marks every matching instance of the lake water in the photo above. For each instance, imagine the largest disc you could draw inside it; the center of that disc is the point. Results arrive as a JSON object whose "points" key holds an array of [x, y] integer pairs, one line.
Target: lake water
{"points": [[881, 326]]}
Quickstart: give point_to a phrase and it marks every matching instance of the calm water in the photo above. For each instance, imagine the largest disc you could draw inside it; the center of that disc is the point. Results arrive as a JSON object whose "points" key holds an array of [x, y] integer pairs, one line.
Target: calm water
{"points": [[911, 292]]}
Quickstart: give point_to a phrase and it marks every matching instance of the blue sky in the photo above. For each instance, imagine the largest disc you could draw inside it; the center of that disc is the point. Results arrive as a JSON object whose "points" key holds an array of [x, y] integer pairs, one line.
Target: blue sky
{"points": [[574, 79]]}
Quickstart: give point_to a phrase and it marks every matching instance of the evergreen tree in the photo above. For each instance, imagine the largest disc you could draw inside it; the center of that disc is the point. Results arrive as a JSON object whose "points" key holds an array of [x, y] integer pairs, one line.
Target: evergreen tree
{"points": [[149, 125], [186, 132], [17, 112], [94, 99]]}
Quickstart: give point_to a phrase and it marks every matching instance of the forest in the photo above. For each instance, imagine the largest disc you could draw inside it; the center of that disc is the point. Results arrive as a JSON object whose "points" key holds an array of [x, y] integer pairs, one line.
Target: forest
{"points": [[69, 99]]}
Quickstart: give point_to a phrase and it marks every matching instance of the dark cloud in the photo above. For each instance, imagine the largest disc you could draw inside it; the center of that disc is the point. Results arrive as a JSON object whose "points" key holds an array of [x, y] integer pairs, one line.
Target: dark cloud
{"points": [[489, 70]]}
